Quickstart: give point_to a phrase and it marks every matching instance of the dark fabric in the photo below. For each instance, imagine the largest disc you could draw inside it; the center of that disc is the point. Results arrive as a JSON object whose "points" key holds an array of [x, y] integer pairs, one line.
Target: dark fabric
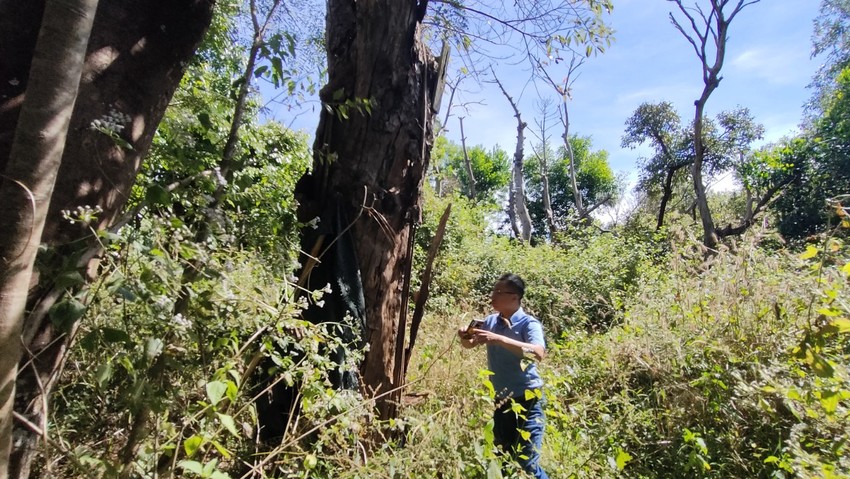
{"points": [[506, 427], [343, 310], [338, 267]]}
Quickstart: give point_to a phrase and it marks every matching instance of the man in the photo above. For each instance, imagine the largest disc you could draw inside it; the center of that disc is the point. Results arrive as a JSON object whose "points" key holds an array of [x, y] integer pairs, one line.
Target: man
{"points": [[513, 338]]}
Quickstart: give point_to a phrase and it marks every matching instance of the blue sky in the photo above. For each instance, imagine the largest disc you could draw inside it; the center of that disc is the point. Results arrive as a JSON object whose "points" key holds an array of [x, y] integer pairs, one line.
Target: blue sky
{"points": [[767, 69]]}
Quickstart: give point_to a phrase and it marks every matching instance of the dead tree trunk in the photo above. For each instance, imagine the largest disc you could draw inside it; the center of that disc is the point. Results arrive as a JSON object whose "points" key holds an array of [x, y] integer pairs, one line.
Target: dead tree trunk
{"points": [[518, 204], [371, 151]]}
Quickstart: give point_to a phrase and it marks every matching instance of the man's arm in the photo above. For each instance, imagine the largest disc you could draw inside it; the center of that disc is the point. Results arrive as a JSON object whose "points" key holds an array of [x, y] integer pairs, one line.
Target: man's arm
{"points": [[480, 336]]}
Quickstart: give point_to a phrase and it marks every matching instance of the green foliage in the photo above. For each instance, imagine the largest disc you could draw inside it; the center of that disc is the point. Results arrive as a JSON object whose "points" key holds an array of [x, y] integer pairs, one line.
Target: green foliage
{"points": [[727, 141], [581, 281], [689, 384], [821, 166], [594, 177], [491, 170], [831, 41]]}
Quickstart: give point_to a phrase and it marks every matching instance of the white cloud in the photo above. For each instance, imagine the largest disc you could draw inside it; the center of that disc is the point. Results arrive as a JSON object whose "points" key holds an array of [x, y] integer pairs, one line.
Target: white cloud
{"points": [[777, 65]]}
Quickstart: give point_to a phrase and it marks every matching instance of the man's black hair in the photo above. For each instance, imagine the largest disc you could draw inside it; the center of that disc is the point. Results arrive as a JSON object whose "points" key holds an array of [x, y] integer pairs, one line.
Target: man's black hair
{"points": [[515, 281]]}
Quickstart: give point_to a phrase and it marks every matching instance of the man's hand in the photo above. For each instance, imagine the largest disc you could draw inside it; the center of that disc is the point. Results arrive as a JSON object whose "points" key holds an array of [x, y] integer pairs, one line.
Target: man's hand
{"points": [[482, 336]]}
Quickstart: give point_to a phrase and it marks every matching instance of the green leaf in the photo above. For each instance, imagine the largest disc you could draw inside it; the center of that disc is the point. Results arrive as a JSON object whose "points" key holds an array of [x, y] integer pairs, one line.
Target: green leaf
{"points": [[103, 374], [216, 391], [221, 449], [821, 366], [204, 120], [157, 195], [112, 335], [829, 401], [192, 445], [69, 279], [623, 458], [811, 252], [153, 348], [842, 324], [227, 421], [192, 466], [232, 390], [66, 312]]}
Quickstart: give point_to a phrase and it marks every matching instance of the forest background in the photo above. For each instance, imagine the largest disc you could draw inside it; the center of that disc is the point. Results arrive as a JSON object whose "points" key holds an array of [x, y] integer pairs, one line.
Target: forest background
{"points": [[675, 349]]}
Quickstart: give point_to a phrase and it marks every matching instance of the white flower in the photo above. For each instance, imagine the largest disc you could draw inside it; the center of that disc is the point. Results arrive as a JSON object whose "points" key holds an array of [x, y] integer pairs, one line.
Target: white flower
{"points": [[181, 322]]}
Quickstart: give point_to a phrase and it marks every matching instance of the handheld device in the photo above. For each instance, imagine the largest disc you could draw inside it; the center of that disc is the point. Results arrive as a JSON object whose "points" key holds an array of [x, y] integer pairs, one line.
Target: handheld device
{"points": [[475, 323]]}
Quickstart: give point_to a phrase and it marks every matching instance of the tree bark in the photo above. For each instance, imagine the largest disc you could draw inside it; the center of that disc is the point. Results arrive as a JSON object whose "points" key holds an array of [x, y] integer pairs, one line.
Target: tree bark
{"points": [[466, 163], [667, 192], [714, 30], [518, 206], [136, 57], [373, 162], [29, 178], [569, 148]]}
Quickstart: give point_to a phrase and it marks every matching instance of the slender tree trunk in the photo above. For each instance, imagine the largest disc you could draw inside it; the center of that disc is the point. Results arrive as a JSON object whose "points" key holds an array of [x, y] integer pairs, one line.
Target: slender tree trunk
{"points": [[373, 162], [569, 149], [666, 195], [225, 165], [709, 235], [667, 192], [519, 183], [519, 206], [467, 164], [30, 175], [714, 30], [512, 217], [547, 197], [135, 60]]}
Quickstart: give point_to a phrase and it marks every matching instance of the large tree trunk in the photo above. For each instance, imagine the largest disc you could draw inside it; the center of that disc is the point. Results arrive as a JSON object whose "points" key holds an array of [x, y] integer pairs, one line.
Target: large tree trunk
{"points": [[29, 178], [136, 57], [372, 163]]}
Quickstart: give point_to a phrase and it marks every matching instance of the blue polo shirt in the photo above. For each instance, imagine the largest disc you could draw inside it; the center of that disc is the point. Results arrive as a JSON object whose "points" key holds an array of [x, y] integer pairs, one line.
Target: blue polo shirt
{"points": [[509, 379]]}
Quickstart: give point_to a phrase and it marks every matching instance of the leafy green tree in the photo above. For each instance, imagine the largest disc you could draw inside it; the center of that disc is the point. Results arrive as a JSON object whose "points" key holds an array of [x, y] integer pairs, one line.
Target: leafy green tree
{"points": [[726, 144], [596, 183], [707, 33], [820, 159], [831, 41], [491, 170]]}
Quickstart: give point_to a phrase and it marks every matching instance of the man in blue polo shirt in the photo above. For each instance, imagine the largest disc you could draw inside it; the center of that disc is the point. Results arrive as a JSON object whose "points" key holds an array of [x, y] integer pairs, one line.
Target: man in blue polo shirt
{"points": [[514, 343]]}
